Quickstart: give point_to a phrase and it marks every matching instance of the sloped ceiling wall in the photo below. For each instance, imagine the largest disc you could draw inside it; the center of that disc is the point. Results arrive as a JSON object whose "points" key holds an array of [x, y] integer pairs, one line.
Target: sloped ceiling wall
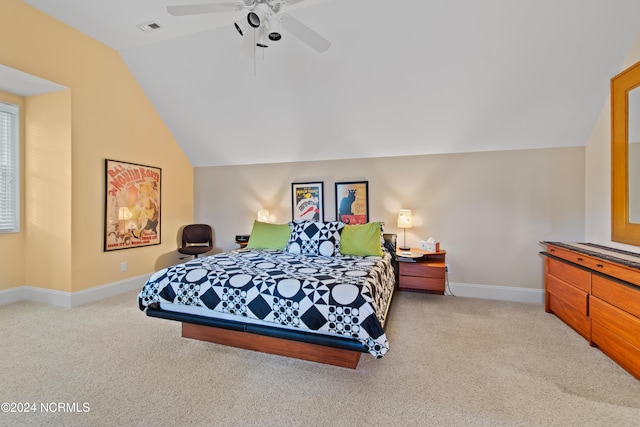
{"points": [[401, 78]]}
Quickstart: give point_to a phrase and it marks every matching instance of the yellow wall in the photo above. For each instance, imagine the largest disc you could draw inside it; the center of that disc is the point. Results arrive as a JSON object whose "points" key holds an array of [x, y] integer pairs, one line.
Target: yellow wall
{"points": [[47, 191], [12, 244], [110, 117]]}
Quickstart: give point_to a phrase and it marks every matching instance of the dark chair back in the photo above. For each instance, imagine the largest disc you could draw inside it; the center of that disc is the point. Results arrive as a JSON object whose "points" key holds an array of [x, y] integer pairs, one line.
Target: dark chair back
{"points": [[196, 239]]}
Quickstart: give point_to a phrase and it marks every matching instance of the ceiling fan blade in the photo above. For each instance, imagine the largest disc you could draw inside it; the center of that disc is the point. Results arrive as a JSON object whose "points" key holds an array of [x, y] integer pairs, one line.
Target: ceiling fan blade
{"points": [[304, 33], [248, 45], [197, 9]]}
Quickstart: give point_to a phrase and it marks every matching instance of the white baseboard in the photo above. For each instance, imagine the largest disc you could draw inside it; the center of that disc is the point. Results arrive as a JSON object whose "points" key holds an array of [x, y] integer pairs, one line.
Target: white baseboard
{"points": [[71, 299], [12, 295], [501, 293]]}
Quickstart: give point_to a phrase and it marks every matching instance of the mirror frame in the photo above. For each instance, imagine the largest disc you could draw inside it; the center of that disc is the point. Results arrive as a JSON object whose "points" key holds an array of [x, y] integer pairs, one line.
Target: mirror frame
{"points": [[621, 229]]}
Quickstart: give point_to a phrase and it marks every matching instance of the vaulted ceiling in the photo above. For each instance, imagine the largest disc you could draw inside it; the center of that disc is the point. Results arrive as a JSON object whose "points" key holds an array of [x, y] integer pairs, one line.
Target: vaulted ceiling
{"points": [[402, 77]]}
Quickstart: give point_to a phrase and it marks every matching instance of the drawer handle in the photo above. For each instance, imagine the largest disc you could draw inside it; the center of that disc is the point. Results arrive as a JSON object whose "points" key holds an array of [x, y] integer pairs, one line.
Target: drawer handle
{"points": [[552, 250], [599, 265], [580, 259]]}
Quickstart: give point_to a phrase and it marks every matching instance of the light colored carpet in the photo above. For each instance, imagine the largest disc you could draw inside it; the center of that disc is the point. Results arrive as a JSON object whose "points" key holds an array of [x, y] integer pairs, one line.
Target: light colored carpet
{"points": [[453, 362]]}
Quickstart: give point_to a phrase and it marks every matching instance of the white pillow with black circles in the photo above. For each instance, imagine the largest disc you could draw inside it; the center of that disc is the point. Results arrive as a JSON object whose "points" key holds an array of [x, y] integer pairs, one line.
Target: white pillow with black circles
{"points": [[315, 238]]}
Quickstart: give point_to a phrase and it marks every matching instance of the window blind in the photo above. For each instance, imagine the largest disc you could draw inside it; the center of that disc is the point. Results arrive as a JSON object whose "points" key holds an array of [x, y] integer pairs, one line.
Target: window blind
{"points": [[9, 172]]}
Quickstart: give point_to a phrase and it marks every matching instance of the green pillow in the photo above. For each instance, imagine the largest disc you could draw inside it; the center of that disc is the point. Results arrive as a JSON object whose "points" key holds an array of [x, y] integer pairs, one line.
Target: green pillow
{"points": [[361, 239], [269, 236]]}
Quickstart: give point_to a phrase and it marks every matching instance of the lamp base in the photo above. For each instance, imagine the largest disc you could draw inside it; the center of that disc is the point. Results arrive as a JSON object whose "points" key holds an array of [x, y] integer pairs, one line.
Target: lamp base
{"points": [[404, 241]]}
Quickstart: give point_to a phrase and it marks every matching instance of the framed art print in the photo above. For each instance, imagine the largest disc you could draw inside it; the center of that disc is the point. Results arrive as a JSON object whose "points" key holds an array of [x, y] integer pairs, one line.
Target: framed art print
{"points": [[352, 202], [307, 201], [133, 205]]}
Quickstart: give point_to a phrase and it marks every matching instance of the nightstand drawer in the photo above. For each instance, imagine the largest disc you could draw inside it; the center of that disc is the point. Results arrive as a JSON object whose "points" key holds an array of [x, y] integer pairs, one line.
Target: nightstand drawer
{"points": [[421, 270], [424, 283]]}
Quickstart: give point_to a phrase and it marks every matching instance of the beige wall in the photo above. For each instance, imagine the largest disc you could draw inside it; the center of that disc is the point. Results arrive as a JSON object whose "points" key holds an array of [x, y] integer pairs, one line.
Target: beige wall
{"points": [[110, 117], [489, 210]]}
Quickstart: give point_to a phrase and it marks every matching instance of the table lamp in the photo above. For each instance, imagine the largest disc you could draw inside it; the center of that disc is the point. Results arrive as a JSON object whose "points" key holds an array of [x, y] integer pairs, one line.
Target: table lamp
{"points": [[263, 215], [404, 222]]}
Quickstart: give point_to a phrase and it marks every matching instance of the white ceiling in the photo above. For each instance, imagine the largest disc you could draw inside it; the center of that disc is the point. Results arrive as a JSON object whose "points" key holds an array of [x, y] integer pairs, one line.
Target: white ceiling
{"points": [[23, 84], [402, 77]]}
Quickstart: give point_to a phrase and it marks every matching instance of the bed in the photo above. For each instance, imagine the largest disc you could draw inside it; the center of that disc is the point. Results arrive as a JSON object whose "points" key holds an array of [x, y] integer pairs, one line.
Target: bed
{"points": [[320, 292]]}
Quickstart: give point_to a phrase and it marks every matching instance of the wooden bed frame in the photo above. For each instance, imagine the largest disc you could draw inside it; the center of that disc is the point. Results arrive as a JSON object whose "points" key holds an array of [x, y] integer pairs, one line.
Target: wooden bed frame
{"points": [[272, 345], [331, 350]]}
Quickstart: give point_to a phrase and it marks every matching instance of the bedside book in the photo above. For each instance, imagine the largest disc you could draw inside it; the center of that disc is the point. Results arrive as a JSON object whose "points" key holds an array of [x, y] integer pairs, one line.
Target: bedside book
{"points": [[408, 254]]}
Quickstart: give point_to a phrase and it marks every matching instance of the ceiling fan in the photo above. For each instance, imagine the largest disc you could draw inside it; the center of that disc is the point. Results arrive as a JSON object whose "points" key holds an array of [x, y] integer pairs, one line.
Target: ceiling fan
{"points": [[264, 17]]}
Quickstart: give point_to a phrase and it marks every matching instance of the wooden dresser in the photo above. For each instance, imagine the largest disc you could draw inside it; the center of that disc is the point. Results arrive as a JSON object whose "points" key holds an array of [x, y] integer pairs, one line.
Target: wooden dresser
{"points": [[596, 290]]}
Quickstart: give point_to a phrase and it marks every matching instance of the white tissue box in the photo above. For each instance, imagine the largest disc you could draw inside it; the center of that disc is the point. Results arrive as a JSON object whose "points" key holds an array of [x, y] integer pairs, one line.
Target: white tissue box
{"points": [[429, 246]]}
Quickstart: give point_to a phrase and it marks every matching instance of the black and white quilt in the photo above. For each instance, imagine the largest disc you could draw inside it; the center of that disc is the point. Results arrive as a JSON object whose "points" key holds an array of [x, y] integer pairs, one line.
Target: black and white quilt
{"points": [[345, 295]]}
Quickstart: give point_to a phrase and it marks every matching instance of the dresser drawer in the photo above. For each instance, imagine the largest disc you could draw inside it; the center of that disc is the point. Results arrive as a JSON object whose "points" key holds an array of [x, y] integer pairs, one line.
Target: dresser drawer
{"points": [[569, 274], [600, 265], [421, 270], [622, 296], [577, 320], [578, 258], [574, 257], [621, 351], [619, 322], [575, 298]]}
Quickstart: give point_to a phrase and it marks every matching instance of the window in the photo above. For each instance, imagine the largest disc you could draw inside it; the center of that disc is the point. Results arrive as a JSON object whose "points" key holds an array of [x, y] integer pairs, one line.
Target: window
{"points": [[9, 169]]}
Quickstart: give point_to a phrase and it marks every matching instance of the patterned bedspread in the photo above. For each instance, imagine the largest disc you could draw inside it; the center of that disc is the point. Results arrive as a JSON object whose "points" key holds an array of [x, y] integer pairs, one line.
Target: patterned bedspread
{"points": [[345, 295]]}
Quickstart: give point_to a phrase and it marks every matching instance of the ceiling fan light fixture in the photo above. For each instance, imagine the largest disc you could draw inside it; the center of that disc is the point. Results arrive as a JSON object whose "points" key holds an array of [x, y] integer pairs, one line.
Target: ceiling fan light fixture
{"points": [[273, 29], [262, 39], [242, 26], [258, 14]]}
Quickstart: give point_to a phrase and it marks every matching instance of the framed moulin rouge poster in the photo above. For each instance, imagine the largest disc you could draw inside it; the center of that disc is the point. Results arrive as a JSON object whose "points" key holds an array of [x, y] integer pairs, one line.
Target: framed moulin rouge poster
{"points": [[133, 196]]}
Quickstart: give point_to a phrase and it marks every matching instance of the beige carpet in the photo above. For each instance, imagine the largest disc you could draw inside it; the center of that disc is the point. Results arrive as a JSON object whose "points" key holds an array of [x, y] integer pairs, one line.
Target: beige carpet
{"points": [[453, 362]]}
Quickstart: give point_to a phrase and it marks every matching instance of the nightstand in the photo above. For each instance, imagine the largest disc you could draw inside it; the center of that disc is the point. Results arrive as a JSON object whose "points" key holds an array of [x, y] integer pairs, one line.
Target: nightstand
{"points": [[422, 271]]}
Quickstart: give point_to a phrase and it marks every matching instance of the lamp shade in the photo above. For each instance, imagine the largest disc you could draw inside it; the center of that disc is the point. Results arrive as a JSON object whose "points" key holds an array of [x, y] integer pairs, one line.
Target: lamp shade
{"points": [[404, 219], [263, 215]]}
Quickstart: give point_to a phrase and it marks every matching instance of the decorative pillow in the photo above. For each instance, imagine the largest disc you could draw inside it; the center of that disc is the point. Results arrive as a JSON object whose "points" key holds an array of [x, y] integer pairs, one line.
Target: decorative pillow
{"points": [[315, 238], [269, 236], [361, 240]]}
